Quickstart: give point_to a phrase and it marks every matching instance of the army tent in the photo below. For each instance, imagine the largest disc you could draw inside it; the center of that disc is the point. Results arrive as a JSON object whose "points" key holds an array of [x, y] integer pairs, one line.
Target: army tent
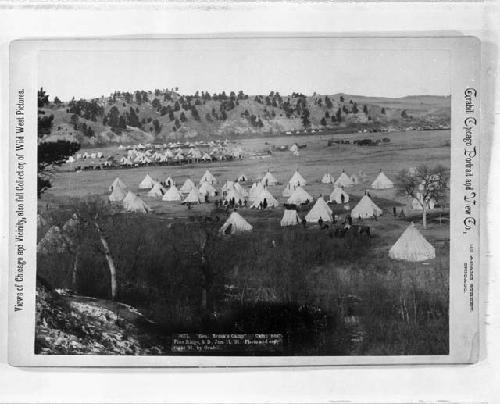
{"points": [[193, 197], [132, 203], [297, 180], [234, 195], [294, 148], [117, 183], [339, 196], [187, 186], [300, 196], [365, 208], [228, 186], [269, 179], [290, 218], [382, 182], [242, 178], [288, 190], [206, 189], [343, 180], [320, 210], [156, 191], [256, 189], [208, 177], [412, 246], [242, 191], [172, 194], [327, 179], [169, 182], [146, 183], [266, 198], [235, 224], [117, 195]]}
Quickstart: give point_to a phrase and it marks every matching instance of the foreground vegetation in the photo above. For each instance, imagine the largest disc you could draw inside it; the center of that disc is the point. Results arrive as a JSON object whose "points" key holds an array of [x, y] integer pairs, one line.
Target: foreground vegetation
{"points": [[326, 295]]}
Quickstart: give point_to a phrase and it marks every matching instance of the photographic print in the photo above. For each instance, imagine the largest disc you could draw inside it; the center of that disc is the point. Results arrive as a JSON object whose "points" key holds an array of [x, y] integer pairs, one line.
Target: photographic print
{"points": [[245, 197]]}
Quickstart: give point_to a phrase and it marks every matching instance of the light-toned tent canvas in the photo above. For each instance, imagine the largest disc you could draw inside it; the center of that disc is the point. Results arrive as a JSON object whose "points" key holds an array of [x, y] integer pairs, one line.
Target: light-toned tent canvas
{"points": [[382, 182], [172, 194], [242, 178], [294, 148], [319, 210], [300, 196], [169, 182], [242, 191], [269, 179], [289, 188], [327, 179], [337, 194], [290, 218], [256, 189], [193, 197], [117, 183], [206, 189], [146, 183], [343, 181], [228, 185], [208, 177], [156, 191], [132, 203], [365, 208], [188, 186], [297, 180], [235, 224], [233, 194], [412, 246], [266, 196], [117, 195]]}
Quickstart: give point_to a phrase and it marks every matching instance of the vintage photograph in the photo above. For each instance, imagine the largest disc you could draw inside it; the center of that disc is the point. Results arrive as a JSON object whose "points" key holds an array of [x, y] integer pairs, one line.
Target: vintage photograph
{"points": [[243, 197]]}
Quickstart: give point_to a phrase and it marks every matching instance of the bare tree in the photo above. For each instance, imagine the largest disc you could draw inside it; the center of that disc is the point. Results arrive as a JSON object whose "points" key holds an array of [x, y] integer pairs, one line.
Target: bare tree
{"points": [[423, 185]]}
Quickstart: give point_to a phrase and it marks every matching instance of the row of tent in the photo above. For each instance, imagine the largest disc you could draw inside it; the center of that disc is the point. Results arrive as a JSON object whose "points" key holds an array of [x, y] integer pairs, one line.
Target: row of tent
{"points": [[410, 246]]}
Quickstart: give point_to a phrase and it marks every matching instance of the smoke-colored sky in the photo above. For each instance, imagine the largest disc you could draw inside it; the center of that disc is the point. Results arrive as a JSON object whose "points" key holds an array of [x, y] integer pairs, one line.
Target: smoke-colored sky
{"points": [[255, 66]]}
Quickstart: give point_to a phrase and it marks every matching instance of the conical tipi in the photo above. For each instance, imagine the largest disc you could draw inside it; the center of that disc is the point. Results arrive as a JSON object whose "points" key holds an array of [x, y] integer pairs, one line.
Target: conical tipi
{"points": [[297, 180], [319, 210], [299, 196], [156, 191], [187, 186], [146, 183], [339, 196], [206, 189], [208, 177], [117, 183], [290, 218], [235, 224], [193, 196], [172, 194], [365, 208], [269, 179], [412, 246], [266, 198], [133, 203], [343, 180], [117, 195], [382, 182]]}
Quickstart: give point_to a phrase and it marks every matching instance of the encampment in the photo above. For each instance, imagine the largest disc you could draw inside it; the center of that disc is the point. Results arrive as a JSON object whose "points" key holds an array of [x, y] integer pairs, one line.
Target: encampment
{"points": [[320, 210], [235, 224], [365, 208], [412, 246]]}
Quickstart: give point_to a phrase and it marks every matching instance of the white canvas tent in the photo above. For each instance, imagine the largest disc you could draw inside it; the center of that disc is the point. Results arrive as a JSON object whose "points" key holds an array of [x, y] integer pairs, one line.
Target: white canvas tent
{"points": [[412, 246], [146, 183], [255, 191], [343, 180], [242, 178], [172, 194], [156, 191], [117, 183], [233, 194], [297, 180], [132, 203], [208, 177], [382, 182], [235, 224], [300, 196], [288, 190], [294, 148], [290, 218], [269, 179], [337, 194], [187, 186], [319, 210], [365, 208], [169, 182], [193, 197], [327, 178], [117, 195], [206, 189], [266, 196]]}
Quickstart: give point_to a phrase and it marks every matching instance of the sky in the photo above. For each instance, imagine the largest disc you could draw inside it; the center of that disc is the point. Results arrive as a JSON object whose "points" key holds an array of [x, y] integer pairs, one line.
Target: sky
{"points": [[254, 66]]}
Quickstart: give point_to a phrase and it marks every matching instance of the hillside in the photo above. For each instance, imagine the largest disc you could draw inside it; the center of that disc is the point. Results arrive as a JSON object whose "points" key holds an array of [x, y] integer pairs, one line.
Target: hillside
{"points": [[165, 115]]}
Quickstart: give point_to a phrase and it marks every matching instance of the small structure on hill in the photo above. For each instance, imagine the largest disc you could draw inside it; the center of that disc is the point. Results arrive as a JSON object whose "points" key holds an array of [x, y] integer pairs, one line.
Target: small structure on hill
{"points": [[412, 246]]}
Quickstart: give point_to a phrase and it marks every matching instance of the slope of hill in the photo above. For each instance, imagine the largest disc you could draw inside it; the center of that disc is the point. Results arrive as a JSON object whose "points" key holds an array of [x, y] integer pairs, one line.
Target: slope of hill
{"points": [[162, 116]]}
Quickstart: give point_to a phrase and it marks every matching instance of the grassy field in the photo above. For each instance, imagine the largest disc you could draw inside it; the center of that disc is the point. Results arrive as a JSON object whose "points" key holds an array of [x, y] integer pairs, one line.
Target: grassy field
{"points": [[300, 282]]}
